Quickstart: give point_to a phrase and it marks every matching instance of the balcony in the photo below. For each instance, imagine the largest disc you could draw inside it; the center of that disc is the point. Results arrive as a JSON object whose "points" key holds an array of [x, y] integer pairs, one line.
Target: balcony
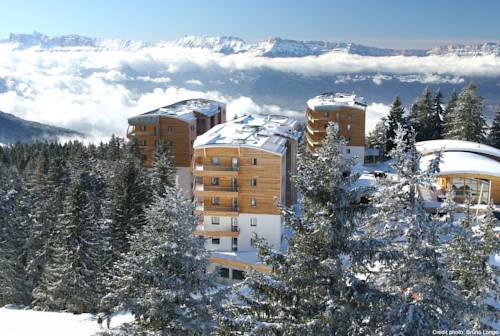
{"points": [[215, 170], [215, 190], [312, 130], [200, 231], [216, 210]]}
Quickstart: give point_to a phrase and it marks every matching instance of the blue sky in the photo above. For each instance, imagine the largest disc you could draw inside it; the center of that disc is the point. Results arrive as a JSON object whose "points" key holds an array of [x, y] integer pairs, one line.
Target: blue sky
{"points": [[392, 23]]}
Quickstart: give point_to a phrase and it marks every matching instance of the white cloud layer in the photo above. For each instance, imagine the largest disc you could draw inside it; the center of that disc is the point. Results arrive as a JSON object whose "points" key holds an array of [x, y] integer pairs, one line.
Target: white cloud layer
{"points": [[95, 92]]}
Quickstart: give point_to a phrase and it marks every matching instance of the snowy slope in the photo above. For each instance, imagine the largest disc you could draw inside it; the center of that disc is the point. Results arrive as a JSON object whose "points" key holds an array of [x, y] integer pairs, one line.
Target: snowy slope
{"points": [[15, 322]]}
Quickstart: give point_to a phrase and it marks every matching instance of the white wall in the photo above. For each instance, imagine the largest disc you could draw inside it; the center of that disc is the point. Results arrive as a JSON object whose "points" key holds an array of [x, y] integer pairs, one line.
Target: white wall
{"points": [[184, 180], [268, 227]]}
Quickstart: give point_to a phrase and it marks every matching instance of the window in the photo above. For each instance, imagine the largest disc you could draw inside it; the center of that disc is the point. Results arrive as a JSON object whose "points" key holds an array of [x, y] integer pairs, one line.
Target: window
{"points": [[215, 241], [253, 221], [215, 200], [215, 220], [224, 272], [192, 128], [348, 151], [215, 181], [253, 182], [144, 143], [143, 128], [252, 242], [348, 127], [325, 114], [238, 275], [349, 116], [170, 129], [215, 160], [338, 115], [253, 202], [254, 161]]}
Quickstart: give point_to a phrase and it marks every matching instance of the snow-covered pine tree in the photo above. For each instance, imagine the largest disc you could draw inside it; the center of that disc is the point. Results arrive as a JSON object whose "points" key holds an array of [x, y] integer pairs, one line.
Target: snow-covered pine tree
{"points": [[162, 279], [377, 138], [422, 116], [448, 113], [126, 196], [494, 133], [70, 280], [468, 255], [395, 118], [466, 120], [311, 289], [435, 122], [418, 276], [164, 171], [14, 288]]}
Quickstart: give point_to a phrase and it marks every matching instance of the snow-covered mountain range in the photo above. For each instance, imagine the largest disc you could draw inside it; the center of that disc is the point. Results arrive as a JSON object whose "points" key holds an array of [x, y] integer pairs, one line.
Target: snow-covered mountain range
{"points": [[273, 47]]}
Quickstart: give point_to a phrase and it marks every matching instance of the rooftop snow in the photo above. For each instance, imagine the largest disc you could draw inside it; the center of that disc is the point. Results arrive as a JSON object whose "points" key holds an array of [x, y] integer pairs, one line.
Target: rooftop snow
{"points": [[463, 163], [329, 101], [183, 110], [426, 147], [267, 132]]}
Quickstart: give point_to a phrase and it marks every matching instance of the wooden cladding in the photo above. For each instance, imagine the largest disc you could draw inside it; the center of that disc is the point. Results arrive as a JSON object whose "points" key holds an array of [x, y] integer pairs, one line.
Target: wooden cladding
{"points": [[351, 123], [259, 184], [178, 133]]}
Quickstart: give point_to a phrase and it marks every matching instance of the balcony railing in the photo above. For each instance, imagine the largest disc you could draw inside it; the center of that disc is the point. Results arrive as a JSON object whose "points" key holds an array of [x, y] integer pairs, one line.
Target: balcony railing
{"points": [[202, 207], [202, 187], [200, 167]]}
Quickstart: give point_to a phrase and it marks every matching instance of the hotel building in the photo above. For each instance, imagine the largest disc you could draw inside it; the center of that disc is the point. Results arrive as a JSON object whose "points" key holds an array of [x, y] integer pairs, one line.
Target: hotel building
{"points": [[347, 111], [178, 125], [242, 173]]}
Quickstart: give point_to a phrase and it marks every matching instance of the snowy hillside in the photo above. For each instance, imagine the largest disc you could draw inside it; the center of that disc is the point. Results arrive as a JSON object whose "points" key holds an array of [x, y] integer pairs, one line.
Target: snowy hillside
{"points": [[273, 47], [15, 322]]}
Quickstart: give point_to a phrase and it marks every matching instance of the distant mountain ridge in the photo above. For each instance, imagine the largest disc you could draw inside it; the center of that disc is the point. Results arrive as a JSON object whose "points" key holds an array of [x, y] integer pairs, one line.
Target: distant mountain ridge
{"points": [[273, 47], [14, 129]]}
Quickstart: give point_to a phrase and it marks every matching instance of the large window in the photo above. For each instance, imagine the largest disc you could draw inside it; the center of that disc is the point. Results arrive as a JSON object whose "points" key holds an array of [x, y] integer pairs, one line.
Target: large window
{"points": [[238, 275], [479, 189]]}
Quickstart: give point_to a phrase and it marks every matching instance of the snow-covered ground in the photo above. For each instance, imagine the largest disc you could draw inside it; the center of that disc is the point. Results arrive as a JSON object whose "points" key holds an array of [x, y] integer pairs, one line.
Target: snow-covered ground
{"points": [[17, 322]]}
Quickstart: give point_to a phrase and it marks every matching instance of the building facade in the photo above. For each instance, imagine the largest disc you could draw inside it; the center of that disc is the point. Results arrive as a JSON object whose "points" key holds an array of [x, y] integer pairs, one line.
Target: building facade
{"points": [[347, 111], [242, 173], [178, 125]]}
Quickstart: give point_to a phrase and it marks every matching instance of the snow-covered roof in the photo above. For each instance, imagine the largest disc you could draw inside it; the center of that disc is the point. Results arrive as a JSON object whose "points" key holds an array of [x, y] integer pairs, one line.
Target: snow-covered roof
{"points": [[445, 145], [463, 163], [262, 131], [333, 101], [184, 110]]}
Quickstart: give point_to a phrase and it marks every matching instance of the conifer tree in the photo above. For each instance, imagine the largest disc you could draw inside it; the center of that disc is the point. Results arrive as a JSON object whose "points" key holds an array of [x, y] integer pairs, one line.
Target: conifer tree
{"points": [[70, 281], [378, 137], [162, 279], [435, 125], [395, 118], [448, 113], [126, 196], [312, 289], [466, 120], [163, 172], [422, 116], [494, 133]]}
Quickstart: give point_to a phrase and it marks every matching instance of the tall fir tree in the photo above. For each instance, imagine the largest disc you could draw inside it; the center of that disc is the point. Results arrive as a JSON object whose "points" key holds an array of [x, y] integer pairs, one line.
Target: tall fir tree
{"points": [[422, 116], [70, 281], [448, 113], [377, 138], [162, 279], [494, 133], [395, 118], [127, 195], [163, 173], [466, 120], [311, 289], [436, 119]]}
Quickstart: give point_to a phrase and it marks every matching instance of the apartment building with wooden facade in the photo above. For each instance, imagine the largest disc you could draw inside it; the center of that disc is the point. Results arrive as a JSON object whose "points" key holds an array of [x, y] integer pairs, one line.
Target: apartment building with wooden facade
{"points": [[347, 111], [242, 172], [178, 125]]}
